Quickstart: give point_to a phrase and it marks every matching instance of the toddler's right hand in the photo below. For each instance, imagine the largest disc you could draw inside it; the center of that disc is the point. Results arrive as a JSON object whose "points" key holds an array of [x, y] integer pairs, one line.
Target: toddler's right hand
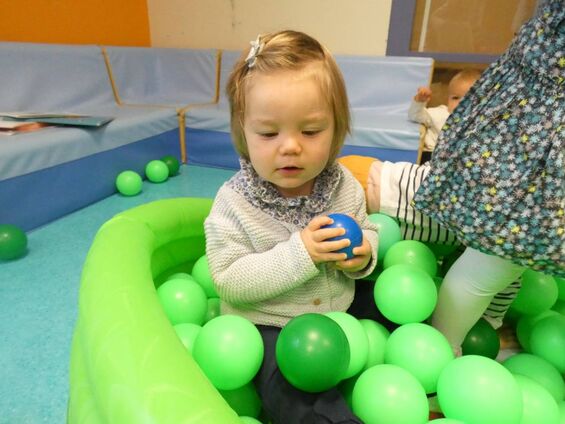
{"points": [[314, 238], [423, 95]]}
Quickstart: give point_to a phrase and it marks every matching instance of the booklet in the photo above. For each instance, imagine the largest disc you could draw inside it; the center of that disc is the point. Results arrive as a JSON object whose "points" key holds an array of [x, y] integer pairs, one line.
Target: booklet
{"points": [[16, 127], [67, 119]]}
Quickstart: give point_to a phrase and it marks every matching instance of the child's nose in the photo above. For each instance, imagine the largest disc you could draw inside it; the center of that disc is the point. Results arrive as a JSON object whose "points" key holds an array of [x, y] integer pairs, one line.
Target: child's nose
{"points": [[290, 144]]}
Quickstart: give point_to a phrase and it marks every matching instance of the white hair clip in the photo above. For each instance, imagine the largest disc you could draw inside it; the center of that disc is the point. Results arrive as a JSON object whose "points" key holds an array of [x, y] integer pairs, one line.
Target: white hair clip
{"points": [[256, 47]]}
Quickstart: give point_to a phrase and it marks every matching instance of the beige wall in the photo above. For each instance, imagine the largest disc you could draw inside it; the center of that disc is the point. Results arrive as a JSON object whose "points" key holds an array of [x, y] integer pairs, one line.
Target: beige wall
{"points": [[343, 26]]}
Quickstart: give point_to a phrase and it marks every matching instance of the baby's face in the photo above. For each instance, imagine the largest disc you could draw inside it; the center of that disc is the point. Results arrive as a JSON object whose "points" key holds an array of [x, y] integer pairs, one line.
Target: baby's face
{"points": [[289, 128], [456, 91]]}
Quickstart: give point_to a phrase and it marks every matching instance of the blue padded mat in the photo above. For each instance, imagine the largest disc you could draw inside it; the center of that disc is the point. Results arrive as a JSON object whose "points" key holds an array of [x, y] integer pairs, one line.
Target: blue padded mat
{"points": [[379, 88], [150, 75], [49, 173], [39, 293]]}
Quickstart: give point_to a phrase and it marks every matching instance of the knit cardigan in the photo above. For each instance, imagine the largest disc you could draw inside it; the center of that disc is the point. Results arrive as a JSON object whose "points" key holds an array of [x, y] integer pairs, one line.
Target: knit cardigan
{"points": [[261, 268]]}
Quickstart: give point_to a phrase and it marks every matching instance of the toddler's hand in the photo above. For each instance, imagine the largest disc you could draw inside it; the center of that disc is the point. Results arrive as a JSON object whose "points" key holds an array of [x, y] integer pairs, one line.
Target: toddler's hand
{"points": [[362, 258], [423, 95], [314, 238]]}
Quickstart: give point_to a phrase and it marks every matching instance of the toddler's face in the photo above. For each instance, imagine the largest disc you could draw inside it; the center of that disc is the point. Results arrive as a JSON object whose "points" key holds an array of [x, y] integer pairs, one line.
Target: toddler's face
{"points": [[456, 91], [289, 129]]}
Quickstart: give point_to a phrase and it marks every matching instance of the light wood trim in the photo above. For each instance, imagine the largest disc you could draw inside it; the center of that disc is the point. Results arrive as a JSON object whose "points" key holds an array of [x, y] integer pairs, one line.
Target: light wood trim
{"points": [[111, 76]]}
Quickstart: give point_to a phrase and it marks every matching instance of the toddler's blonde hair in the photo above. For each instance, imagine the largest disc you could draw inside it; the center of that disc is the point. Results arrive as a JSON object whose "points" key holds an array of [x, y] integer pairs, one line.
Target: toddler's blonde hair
{"points": [[289, 50]]}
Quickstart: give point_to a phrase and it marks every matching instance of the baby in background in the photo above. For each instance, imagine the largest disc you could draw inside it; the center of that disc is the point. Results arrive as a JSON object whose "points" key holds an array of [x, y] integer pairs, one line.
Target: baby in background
{"points": [[433, 118]]}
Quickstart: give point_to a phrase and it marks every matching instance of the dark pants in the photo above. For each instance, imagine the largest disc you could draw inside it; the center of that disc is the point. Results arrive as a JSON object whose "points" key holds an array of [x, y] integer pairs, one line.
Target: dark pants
{"points": [[285, 404]]}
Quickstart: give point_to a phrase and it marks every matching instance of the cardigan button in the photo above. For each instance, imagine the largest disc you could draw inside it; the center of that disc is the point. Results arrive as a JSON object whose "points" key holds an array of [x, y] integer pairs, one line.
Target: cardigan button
{"points": [[316, 301]]}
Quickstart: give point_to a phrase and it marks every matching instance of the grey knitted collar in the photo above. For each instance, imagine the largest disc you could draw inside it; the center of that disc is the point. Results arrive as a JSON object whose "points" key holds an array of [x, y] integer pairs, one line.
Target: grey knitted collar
{"points": [[293, 210]]}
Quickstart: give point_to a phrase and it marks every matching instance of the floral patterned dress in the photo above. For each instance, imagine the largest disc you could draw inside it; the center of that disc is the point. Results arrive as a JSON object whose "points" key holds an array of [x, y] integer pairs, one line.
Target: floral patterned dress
{"points": [[497, 175]]}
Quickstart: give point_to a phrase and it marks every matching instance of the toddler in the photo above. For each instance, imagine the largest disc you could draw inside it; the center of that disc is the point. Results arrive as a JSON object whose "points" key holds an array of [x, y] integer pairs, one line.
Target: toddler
{"points": [[433, 118], [497, 175], [269, 255]]}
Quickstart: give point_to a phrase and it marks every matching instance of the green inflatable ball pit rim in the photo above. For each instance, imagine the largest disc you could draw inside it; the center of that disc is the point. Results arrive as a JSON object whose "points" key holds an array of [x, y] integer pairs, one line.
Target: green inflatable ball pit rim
{"points": [[127, 363]]}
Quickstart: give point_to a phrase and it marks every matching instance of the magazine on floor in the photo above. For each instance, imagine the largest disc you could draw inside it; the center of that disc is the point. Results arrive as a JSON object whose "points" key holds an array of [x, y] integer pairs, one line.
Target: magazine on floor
{"points": [[64, 119]]}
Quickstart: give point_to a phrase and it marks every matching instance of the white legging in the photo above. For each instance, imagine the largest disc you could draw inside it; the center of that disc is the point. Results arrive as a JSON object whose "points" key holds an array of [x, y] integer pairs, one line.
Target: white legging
{"points": [[466, 291]]}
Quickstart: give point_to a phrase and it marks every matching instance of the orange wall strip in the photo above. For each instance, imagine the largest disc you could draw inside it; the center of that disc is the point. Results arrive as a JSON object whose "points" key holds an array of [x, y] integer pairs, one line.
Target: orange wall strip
{"points": [[106, 22]]}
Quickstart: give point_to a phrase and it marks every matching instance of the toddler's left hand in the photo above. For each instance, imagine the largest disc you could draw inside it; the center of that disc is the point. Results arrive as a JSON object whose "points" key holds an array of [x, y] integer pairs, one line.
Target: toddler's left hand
{"points": [[362, 258]]}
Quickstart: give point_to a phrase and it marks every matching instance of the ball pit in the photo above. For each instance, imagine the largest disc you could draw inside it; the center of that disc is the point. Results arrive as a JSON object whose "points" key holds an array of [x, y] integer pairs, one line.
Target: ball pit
{"points": [[127, 363]]}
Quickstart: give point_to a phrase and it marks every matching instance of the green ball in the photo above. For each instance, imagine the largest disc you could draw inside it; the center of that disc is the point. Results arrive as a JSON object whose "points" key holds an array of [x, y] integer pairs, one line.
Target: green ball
{"points": [[560, 287], [345, 387], [201, 274], [172, 163], [448, 261], [13, 242], [357, 339], [213, 309], [157, 171], [312, 352], [187, 333], [442, 250], [377, 334], [249, 420], [181, 275], [389, 232], [229, 350], [562, 411], [129, 183], [482, 340], [420, 349], [525, 326], [412, 252], [559, 307], [183, 301], [537, 294], [445, 421], [389, 394], [539, 405], [438, 282], [538, 369], [548, 340], [405, 294], [244, 400], [478, 390]]}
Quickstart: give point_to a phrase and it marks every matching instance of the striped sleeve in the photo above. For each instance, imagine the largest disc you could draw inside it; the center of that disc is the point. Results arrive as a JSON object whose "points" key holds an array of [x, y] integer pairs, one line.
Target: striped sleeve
{"points": [[500, 304], [399, 182]]}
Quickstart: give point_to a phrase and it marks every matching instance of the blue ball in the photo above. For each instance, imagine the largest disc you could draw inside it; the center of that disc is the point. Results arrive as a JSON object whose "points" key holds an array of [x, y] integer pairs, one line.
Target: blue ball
{"points": [[353, 232]]}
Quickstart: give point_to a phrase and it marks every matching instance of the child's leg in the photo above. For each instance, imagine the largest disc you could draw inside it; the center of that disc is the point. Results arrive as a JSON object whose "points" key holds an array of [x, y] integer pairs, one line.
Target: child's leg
{"points": [[499, 305], [467, 290], [285, 404]]}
